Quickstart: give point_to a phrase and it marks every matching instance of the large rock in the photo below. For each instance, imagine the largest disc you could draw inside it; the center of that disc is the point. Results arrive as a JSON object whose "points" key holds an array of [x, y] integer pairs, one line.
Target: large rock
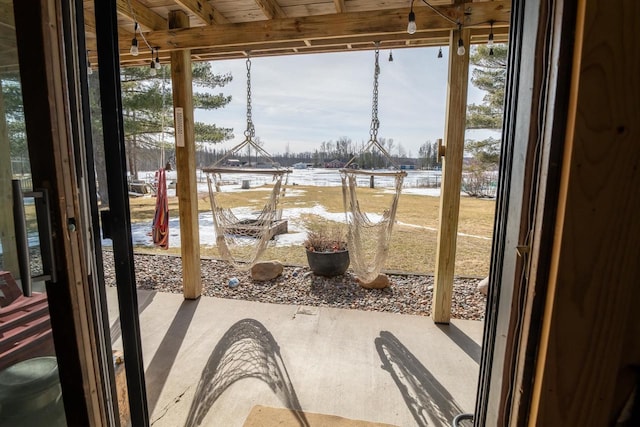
{"points": [[267, 270], [483, 286], [380, 282]]}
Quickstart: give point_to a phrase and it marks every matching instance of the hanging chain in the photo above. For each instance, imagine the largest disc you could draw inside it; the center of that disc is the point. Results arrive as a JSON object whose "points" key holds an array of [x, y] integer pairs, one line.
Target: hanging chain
{"points": [[251, 131], [375, 123]]}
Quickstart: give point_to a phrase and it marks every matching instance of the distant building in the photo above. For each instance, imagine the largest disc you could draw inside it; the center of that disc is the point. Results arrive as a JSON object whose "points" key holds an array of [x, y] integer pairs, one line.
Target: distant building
{"points": [[300, 165], [334, 164]]}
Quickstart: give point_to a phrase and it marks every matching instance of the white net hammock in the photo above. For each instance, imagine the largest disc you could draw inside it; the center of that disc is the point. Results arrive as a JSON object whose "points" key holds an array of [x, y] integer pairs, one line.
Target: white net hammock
{"points": [[369, 234], [243, 233], [368, 239]]}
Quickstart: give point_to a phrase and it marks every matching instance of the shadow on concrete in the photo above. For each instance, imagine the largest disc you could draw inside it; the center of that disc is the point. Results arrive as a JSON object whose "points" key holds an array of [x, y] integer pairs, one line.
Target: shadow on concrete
{"points": [[462, 340], [143, 303], [428, 401], [165, 356], [247, 350]]}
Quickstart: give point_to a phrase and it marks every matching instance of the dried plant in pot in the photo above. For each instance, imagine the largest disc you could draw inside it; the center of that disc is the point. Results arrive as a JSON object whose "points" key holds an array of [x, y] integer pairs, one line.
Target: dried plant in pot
{"points": [[327, 252]]}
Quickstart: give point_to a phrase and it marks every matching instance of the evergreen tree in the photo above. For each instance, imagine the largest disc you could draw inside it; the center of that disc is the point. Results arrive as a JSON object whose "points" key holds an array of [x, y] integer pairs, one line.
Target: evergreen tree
{"points": [[489, 75], [147, 105], [14, 119]]}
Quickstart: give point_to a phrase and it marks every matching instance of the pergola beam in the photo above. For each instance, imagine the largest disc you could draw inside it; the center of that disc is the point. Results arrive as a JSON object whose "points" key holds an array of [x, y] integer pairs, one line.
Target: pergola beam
{"points": [[340, 6], [378, 24], [141, 14], [395, 41], [271, 9], [203, 11]]}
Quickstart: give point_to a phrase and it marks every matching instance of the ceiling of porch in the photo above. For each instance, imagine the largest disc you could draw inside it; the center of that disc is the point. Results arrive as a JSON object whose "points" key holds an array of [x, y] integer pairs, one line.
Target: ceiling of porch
{"points": [[223, 29]]}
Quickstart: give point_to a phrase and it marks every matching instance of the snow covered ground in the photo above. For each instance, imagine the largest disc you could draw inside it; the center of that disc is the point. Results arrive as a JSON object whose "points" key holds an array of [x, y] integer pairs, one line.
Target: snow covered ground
{"points": [[297, 232]]}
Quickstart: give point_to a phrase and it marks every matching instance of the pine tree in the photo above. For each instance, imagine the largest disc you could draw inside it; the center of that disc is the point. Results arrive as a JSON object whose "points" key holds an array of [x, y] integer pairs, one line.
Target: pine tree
{"points": [[488, 75], [147, 105]]}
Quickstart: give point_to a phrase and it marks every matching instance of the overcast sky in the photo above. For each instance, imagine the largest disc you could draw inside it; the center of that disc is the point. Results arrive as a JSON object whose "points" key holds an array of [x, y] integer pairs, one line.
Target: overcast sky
{"points": [[300, 101]]}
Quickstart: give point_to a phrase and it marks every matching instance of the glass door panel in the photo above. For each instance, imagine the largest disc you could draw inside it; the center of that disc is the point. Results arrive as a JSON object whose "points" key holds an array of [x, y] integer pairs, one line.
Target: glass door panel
{"points": [[30, 389]]}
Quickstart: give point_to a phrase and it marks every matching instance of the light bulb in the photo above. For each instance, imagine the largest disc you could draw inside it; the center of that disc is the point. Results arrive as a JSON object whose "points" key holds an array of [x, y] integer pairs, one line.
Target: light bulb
{"points": [[134, 47], [158, 66], [461, 49], [490, 42], [491, 51], [412, 27], [89, 69], [390, 56], [440, 53], [152, 68]]}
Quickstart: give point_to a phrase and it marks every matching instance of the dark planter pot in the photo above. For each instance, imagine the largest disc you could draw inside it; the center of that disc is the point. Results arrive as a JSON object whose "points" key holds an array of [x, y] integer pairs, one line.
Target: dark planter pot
{"points": [[328, 263]]}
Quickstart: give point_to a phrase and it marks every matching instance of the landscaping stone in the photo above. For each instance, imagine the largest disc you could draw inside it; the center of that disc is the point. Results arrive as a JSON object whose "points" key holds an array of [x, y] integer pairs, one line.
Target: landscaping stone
{"points": [[483, 286], [267, 270], [380, 282], [406, 294]]}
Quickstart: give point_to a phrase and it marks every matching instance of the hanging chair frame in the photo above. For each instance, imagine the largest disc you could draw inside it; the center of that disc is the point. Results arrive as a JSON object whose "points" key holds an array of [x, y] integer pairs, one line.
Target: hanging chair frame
{"points": [[249, 135]]}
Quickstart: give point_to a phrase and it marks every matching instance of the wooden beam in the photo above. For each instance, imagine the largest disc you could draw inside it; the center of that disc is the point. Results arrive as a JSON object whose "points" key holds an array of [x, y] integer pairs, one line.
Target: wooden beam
{"points": [[203, 11], [187, 187], [587, 364], [350, 24], [340, 6], [271, 9], [451, 178], [141, 14], [436, 38]]}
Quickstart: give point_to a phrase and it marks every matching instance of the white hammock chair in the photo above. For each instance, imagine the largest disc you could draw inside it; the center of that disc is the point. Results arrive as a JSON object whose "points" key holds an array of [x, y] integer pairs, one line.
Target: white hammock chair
{"points": [[241, 240], [368, 240]]}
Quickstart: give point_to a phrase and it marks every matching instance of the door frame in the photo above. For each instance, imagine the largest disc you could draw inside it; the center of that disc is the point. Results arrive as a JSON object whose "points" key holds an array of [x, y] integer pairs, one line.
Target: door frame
{"points": [[51, 55]]}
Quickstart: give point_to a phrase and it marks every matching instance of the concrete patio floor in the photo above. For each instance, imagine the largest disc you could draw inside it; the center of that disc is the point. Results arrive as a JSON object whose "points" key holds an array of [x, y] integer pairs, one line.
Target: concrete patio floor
{"points": [[210, 361]]}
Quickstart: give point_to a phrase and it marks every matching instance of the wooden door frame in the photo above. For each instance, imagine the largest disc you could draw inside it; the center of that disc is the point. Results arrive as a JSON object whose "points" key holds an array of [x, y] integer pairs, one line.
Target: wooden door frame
{"points": [[51, 55], [564, 261]]}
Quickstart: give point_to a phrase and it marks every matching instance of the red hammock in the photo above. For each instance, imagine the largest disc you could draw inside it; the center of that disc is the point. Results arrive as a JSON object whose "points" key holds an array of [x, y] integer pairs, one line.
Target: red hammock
{"points": [[160, 230]]}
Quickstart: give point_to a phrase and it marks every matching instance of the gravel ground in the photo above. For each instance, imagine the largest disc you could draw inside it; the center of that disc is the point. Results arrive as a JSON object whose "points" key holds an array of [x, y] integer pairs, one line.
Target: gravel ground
{"points": [[408, 294]]}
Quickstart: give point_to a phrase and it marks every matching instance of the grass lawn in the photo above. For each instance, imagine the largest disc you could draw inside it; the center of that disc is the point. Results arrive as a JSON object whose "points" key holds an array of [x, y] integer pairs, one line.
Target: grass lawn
{"points": [[413, 243]]}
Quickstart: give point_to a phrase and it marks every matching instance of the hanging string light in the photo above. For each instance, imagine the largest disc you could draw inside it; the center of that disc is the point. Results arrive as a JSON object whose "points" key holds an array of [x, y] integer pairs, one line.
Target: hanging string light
{"points": [[134, 43], [152, 65], [440, 53], [390, 56], [89, 69], [490, 41], [157, 60], [461, 49], [411, 26]]}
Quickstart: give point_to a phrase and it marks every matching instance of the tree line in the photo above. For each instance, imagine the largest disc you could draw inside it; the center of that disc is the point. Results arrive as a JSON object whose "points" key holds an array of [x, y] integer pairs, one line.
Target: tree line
{"points": [[148, 123]]}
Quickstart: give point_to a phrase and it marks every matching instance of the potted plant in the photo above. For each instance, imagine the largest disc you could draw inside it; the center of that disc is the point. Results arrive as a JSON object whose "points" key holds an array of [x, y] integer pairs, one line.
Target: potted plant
{"points": [[327, 252]]}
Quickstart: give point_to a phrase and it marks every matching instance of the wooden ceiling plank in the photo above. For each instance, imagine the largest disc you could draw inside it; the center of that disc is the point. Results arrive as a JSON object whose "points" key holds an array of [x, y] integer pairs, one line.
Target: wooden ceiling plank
{"points": [[203, 11], [340, 6], [271, 9], [141, 14], [350, 24]]}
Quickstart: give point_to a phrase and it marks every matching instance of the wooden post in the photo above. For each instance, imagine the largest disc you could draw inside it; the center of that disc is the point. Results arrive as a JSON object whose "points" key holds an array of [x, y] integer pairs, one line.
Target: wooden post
{"points": [[186, 187], [587, 365], [451, 177]]}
